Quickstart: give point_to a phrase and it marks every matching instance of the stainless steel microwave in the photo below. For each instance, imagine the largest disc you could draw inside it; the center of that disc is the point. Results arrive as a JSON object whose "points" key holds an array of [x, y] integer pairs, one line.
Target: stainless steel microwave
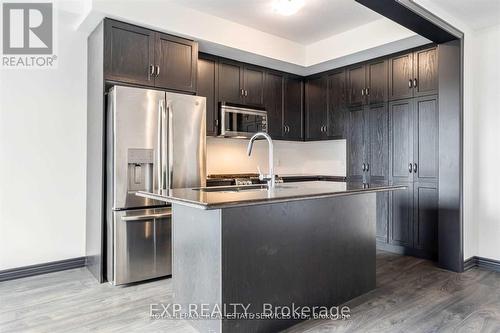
{"points": [[237, 121]]}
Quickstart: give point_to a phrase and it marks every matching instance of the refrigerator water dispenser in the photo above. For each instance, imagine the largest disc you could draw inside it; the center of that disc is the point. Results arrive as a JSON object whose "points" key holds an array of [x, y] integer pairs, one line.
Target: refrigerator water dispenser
{"points": [[140, 170]]}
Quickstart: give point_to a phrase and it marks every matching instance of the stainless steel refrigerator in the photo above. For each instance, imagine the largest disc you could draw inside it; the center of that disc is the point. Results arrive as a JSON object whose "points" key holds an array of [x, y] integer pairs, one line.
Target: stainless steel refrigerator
{"points": [[155, 140]]}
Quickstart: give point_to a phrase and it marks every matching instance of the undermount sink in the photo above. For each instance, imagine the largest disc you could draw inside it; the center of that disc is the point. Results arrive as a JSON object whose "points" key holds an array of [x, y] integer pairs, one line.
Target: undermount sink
{"points": [[239, 188]]}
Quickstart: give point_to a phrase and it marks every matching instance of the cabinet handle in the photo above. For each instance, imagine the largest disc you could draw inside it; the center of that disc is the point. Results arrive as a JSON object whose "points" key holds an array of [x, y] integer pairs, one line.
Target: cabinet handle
{"points": [[287, 129], [242, 92], [362, 92], [367, 166], [157, 71], [415, 82], [409, 83], [414, 167], [364, 167], [367, 92], [246, 92], [151, 71], [410, 167]]}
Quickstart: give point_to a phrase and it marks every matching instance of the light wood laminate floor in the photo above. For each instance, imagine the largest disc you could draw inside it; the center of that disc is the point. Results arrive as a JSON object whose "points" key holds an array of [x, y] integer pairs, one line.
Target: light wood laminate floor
{"points": [[412, 295]]}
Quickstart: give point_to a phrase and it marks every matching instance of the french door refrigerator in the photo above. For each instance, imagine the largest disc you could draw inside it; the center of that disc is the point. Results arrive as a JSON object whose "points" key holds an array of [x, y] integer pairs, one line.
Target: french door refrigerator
{"points": [[155, 140]]}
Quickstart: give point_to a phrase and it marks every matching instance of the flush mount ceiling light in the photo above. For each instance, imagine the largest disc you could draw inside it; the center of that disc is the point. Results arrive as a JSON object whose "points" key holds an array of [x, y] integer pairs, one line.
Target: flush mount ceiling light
{"points": [[287, 7]]}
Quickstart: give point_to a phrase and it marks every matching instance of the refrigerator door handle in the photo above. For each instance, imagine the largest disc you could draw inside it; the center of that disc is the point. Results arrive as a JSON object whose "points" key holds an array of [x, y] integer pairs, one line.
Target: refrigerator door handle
{"points": [[170, 145], [161, 137], [147, 217]]}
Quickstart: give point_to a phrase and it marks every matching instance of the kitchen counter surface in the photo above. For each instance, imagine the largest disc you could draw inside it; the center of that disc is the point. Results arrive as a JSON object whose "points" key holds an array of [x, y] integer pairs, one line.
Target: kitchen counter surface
{"points": [[212, 199]]}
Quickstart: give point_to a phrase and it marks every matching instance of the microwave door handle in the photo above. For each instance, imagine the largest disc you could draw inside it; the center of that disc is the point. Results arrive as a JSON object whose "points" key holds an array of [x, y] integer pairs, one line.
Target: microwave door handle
{"points": [[170, 145]]}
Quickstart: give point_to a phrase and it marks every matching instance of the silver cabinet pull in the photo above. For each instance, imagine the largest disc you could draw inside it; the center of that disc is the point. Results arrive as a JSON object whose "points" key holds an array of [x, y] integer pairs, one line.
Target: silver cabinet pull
{"points": [[242, 92], [367, 91], [415, 82], [151, 71], [363, 92], [367, 166], [246, 93], [409, 83], [410, 168], [364, 167], [414, 167], [157, 71]]}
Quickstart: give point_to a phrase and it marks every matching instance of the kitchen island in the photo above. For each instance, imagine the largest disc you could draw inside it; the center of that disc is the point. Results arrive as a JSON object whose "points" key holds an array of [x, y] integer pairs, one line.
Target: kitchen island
{"points": [[256, 253]]}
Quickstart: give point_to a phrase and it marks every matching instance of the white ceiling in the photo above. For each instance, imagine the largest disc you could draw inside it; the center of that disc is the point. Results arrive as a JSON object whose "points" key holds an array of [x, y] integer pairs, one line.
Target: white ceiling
{"points": [[318, 19], [477, 14]]}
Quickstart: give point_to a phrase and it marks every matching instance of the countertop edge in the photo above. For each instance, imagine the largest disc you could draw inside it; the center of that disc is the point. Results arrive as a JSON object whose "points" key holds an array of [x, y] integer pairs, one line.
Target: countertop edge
{"points": [[231, 204]]}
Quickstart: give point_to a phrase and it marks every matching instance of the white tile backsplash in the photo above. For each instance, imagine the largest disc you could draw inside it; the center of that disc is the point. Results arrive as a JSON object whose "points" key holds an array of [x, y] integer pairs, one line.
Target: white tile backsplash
{"points": [[312, 158]]}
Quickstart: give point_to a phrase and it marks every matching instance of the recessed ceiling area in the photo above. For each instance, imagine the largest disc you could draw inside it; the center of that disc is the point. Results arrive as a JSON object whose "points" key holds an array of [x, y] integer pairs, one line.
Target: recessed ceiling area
{"points": [[316, 20]]}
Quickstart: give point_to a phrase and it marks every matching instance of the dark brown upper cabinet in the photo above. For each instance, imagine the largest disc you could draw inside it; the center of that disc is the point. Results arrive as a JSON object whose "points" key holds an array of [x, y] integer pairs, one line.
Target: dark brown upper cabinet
{"points": [[316, 108], [367, 83], [425, 72], [337, 104], [377, 86], [230, 81], [241, 83], [356, 84], [401, 76], [273, 102], [293, 115], [129, 53], [141, 56], [207, 87], [413, 74], [176, 61], [253, 85], [283, 102]]}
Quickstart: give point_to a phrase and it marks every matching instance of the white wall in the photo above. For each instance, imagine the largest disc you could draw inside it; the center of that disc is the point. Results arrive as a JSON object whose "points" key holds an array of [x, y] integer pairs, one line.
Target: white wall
{"points": [[42, 149], [225, 156], [481, 135], [486, 143]]}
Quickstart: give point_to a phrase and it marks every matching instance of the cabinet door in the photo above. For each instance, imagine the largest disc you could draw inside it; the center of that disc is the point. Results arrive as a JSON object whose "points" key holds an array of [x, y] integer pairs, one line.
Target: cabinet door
{"points": [[401, 140], [401, 77], [177, 59], [273, 102], [356, 84], [254, 86], [230, 81], [207, 87], [356, 146], [377, 143], [426, 137], [401, 215], [337, 111], [292, 113], [426, 72], [382, 230], [377, 85], [316, 108], [425, 221], [128, 53]]}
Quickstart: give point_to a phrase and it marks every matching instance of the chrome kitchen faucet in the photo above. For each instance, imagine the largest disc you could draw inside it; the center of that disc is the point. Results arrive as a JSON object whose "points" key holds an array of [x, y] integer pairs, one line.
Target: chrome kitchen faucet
{"points": [[270, 177]]}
